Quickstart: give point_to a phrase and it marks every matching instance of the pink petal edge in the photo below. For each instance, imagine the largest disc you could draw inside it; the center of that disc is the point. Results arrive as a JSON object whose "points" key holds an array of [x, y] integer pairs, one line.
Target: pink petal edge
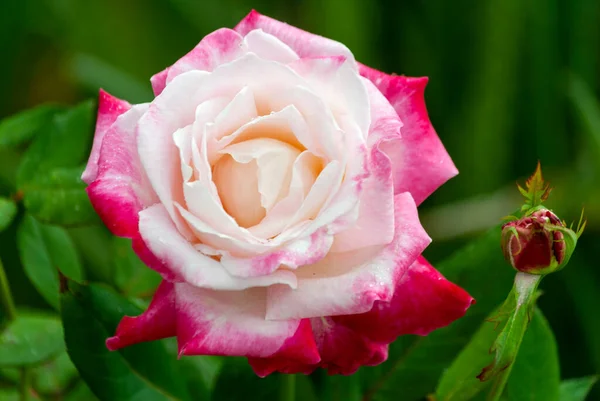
{"points": [[421, 163], [120, 188], [305, 44], [232, 323], [109, 108], [423, 301], [216, 48]]}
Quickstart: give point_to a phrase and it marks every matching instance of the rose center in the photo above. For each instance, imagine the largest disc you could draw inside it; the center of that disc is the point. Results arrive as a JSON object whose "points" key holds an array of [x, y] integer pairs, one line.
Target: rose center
{"points": [[252, 176]]}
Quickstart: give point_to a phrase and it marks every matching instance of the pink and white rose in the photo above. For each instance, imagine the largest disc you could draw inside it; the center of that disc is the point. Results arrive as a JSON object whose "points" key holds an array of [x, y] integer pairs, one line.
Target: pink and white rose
{"points": [[273, 182]]}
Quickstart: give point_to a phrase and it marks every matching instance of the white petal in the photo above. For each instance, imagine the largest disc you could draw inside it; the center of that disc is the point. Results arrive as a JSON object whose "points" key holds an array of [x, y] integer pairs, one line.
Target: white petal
{"points": [[183, 140], [337, 82], [304, 173], [350, 282], [269, 47], [274, 160], [166, 243], [238, 186]]}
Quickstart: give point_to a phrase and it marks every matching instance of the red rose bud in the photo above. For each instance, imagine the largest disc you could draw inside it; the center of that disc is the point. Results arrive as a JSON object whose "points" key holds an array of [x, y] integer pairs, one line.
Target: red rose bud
{"points": [[538, 243]]}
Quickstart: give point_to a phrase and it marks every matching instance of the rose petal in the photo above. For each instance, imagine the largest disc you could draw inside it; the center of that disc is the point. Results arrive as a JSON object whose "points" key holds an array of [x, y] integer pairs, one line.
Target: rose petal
{"points": [[342, 351], [285, 125], [350, 282], [274, 160], [238, 112], [286, 360], [173, 109], [120, 189], [205, 114], [305, 250], [323, 136], [158, 321], [153, 262], [233, 323], [325, 186], [183, 140], [423, 301], [109, 108], [336, 81], [385, 123], [305, 170], [420, 161], [269, 47], [179, 256], [303, 43], [219, 47], [376, 209]]}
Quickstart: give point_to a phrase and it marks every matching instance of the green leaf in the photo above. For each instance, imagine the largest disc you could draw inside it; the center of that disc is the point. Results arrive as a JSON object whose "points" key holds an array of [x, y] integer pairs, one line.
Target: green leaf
{"points": [[44, 250], [66, 143], [8, 211], [22, 127], [81, 392], [51, 377], [305, 390], [58, 196], [14, 395], [93, 244], [30, 339], [535, 375], [576, 389], [415, 364], [340, 388], [131, 276], [459, 382], [142, 372], [200, 372], [586, 104], [55, 375], [238, 371], [9, 395]]}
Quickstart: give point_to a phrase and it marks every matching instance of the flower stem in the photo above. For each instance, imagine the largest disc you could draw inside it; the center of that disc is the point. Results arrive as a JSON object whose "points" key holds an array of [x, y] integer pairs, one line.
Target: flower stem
{"points": [[509, 341], [287, 391], [5, 296], [24, 384]]}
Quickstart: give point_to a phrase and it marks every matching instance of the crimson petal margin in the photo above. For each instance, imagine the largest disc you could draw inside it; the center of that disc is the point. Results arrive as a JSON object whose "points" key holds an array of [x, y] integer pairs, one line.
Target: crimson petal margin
{"points": [[157, 322], [423, 301]]}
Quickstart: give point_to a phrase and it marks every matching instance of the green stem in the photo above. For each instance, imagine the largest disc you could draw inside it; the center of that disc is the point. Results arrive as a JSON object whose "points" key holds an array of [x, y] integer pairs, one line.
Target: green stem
{"points": [[287, 391], [525, 289], [5, 296], [24, 383]]}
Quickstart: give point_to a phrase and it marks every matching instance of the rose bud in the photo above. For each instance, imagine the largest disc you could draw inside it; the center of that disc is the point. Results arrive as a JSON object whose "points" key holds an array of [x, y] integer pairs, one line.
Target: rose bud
{"points": [[536, 244], [273, 182]]}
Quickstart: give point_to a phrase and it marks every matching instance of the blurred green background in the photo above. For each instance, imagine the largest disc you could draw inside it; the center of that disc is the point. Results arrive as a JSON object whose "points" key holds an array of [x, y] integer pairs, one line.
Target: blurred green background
{"points": [[511, 82]]}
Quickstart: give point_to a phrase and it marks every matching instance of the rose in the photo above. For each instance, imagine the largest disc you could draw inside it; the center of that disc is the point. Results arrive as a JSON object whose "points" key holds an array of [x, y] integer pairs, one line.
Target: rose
{"points": [[273, 183]]}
